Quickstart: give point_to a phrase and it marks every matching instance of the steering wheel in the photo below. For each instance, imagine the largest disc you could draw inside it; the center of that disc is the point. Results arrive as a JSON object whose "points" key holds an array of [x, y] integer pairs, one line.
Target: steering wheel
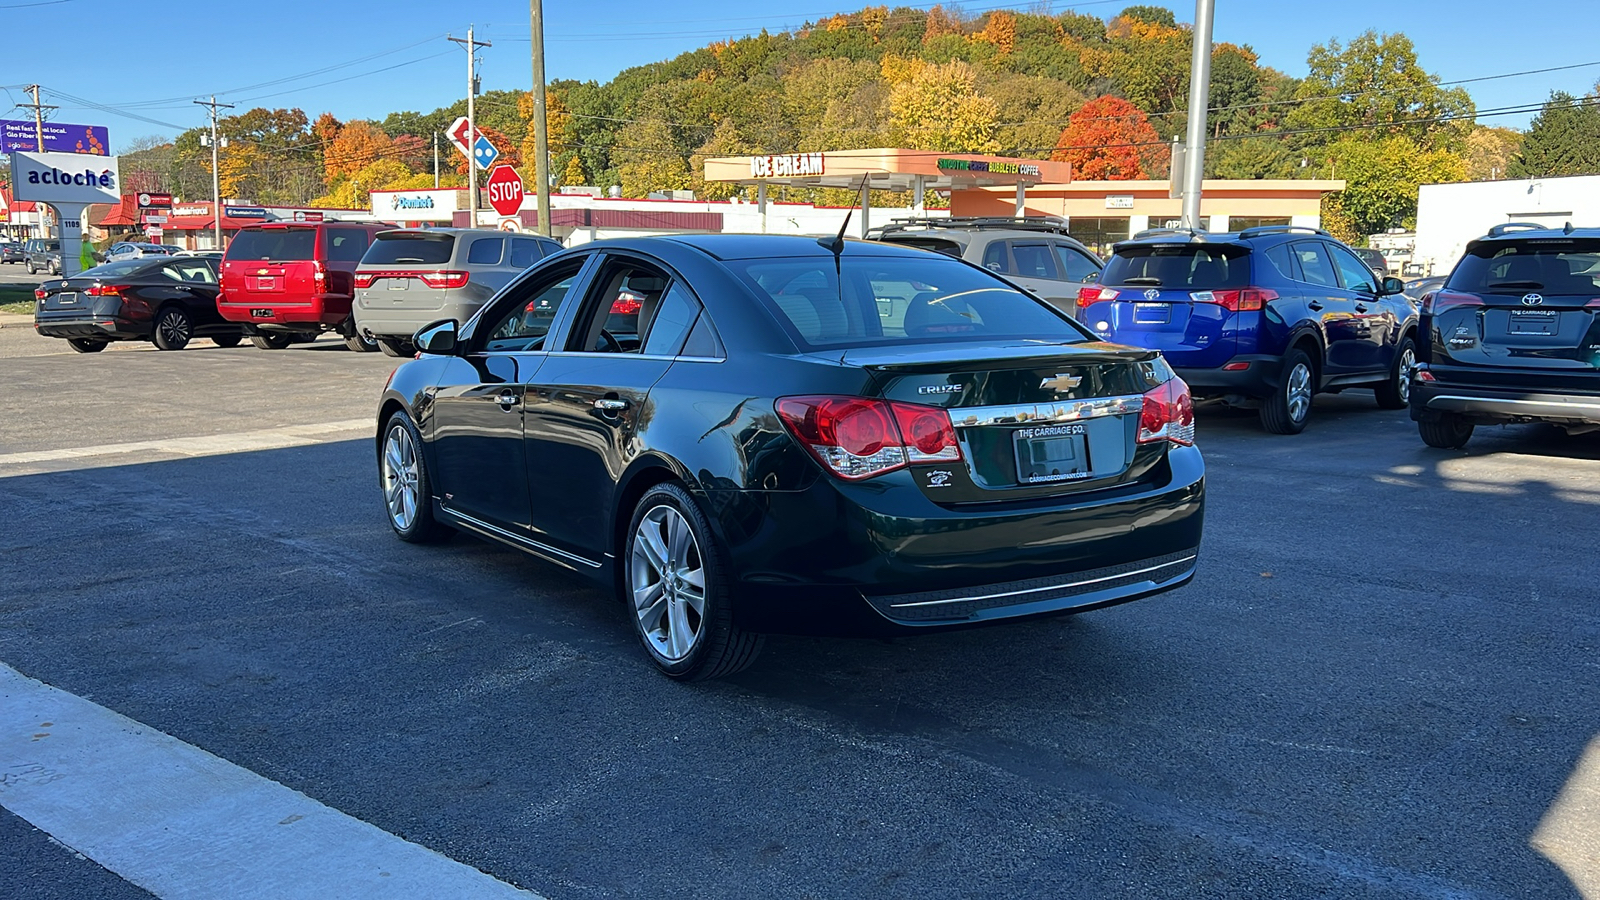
{"points": [[609, 343]]}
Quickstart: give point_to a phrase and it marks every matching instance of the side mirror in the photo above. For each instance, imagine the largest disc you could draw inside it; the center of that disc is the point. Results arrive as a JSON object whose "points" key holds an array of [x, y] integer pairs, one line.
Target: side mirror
{"points": [[437, 338], [1391, 285]]}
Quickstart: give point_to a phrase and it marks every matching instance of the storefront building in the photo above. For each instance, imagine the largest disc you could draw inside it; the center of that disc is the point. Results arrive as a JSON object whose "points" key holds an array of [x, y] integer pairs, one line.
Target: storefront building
{"points": [[413, 209]]}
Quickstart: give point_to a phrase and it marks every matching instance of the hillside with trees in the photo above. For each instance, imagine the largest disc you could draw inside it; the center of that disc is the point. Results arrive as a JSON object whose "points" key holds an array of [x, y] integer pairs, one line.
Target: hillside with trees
{"points": [[1106, 94]]}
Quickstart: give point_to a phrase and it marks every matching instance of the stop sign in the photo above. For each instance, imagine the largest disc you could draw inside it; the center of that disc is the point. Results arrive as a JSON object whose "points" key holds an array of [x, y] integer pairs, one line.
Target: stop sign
{"points": [[505, 190]]}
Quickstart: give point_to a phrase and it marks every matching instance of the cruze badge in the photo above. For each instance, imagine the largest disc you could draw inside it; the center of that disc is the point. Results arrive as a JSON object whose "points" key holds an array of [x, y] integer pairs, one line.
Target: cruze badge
{"points": [[941, 388], [1532, 299], [1152, 294], [1062, 382]]}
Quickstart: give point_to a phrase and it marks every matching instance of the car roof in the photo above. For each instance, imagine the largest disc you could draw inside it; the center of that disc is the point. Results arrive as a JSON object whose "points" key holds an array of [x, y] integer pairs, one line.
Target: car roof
{"points": [[459, 231], [1248, 237], [762, 246], [1514, 231]]}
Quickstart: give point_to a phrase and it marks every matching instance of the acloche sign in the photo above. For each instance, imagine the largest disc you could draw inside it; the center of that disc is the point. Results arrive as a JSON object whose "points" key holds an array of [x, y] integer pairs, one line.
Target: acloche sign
{"points": [[65, 177]]}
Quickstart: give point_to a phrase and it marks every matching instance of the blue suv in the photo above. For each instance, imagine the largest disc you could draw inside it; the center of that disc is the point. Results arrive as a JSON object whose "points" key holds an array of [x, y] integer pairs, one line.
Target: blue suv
{"points": [[1264, 318]]}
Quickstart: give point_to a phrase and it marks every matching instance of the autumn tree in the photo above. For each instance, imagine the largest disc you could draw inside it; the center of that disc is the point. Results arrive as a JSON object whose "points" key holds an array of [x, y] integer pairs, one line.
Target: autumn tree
{"points": [[839, 104], [1109, 139], [1032, 111], [649, 159], [725, 140], [357, 145], [1147, 62], [1000, 30], [1489, 152], [557, 119], [354, 190], [940, 109], [573, 173]]}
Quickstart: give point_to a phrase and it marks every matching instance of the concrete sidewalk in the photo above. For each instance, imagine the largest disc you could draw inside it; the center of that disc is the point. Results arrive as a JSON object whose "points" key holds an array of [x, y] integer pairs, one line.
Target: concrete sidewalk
{"points": [[8, 320]]}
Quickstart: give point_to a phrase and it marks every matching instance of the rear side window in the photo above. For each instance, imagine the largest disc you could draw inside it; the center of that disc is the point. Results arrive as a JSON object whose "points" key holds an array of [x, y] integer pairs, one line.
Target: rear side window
{"points": [[1552, 266], [525, 252], [673, 319], [347, 244], [1282, 261], [995, 259], [1315, 266], [410, 249], [1192, 267], [274, 244], [486, 252]]}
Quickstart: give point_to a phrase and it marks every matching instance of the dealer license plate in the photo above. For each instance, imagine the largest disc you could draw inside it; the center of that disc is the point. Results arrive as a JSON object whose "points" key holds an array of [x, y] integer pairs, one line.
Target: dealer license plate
{"points": [[1152, 313], [1047, 453], [67, 298], [261, 313], [1534, 321]]}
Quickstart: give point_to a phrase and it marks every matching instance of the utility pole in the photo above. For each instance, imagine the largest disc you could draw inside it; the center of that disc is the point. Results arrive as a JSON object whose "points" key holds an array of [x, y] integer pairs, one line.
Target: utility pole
{"points": [[541, 136], [436, 160], [216, 178], [472, 123], [1194, 162], [38, 136]]}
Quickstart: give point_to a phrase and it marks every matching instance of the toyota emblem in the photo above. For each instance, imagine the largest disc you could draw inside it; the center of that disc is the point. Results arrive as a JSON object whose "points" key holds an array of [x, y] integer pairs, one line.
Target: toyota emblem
{"points": [[1532, 299], [1152, 294]]}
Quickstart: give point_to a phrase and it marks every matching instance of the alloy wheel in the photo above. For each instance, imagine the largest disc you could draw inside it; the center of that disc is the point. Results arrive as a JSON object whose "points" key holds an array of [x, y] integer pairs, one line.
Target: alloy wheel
{"points": [[668, 580], [1408, 365], [1299, 390], [174, 327], [400, 477]]}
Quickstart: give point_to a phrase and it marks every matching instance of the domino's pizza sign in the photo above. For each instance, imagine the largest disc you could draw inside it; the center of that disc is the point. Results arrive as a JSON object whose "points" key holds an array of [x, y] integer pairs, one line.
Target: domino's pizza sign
{"points": [[65, 177]]}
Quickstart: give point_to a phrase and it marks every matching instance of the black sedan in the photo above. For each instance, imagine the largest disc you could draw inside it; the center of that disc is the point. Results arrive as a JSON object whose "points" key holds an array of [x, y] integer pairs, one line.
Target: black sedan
{"points": [[164, 300], [751, 434]]}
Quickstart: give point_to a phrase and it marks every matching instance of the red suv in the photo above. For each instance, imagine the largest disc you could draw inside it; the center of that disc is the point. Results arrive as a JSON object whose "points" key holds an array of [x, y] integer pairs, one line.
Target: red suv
{"points": [[287, 280]]}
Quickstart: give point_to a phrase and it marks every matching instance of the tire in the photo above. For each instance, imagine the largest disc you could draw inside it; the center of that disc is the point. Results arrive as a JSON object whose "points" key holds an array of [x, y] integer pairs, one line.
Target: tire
{"points": [[1288, 409], [1445, 431], [360, 343], [403, 477], [32, 270], [272, 341], [173, 329], [84, 345], [1396, 392], [227, 340], [397, 349], [670, 545]]}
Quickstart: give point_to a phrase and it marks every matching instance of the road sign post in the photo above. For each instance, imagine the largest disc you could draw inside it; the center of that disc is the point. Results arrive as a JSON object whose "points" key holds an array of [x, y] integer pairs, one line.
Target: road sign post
{"points": [[505, 190]]}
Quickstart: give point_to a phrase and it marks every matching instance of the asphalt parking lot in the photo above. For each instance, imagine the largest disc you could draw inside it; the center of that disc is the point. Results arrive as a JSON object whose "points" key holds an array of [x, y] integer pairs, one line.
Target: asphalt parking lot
{"points": [[1383, 683]]}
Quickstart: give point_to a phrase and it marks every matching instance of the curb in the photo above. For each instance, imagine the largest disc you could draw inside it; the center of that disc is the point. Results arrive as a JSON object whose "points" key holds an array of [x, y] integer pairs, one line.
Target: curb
{"points": [[10, 321]]}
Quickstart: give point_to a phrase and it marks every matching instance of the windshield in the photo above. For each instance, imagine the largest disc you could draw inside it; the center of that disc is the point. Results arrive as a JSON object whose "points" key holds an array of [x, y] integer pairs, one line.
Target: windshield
{"points": [[274, 244], [1190, 267], [409, 248], [896, 300], [1553, 266]]}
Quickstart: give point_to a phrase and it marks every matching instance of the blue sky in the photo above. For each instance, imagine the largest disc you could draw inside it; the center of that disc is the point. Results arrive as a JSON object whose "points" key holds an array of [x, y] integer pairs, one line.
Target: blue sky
{"points": [[294, 52]]}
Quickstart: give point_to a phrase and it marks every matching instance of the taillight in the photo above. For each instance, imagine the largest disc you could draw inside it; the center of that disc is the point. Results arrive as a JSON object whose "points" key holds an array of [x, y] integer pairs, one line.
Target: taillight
{"points": [[1438, 300], [1167, 414], [625, 306], [856, 437], [106, 290], [1091, 294], [364, 279], [39, 294], [319, 272], [444, 279], [1240, 300]]}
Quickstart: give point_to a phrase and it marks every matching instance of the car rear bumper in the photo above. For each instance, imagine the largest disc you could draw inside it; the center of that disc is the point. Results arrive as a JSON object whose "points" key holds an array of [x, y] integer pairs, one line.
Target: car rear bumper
{"points": [[325, 310], [1490, 405], [883, 559], [1257, 376], [405, 323], [97, 327]]}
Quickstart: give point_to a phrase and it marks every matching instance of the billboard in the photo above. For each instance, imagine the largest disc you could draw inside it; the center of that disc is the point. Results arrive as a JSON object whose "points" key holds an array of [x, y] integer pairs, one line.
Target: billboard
{"points": [[59, 137]]}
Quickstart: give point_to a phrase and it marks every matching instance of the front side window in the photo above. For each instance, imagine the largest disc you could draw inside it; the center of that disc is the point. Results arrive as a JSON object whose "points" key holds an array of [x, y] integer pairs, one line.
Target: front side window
{"points": [[523, 317], [995, 259], [1075, 264], [897, 300], [1353, 272], [525, 252], [191, 271]]}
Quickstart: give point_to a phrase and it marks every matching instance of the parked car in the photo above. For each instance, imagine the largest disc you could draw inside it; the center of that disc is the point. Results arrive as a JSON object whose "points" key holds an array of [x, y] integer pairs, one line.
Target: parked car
{"points": [[289, 280], [1035, 252], [135, 250], [1263, 318], [12, 252], [409, 278], [44, 256], [1375, 260], [1417, 288], [1513, 336], [737, 440], [159, 299], [206, 254]]}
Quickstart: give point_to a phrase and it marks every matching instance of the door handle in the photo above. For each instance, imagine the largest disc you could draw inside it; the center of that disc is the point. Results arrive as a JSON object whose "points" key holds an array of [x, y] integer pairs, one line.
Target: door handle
{"points": [[1314, 305], [1361, 307], [507, 399], [610, 405]]}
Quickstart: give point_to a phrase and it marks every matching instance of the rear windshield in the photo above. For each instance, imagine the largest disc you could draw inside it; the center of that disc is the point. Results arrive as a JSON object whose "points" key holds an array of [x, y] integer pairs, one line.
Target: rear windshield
{"points": [[121, 267], [409, 249], [948, 248], [894, 300], [274, 244], [1548, 265], [1193, 267]]}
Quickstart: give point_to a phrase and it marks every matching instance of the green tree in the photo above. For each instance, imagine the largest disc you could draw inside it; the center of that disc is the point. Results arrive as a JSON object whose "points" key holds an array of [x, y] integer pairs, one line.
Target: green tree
{"points": [[1375, 83], [1563, 139], [1155, 15], [725, 140], [1381, 181], [1032, 111], [649, 160], [940, 109]]}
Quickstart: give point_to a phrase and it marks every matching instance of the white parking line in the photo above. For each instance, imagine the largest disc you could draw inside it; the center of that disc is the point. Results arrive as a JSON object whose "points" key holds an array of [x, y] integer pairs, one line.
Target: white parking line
{"points": [[182, 823], [204, 445]]}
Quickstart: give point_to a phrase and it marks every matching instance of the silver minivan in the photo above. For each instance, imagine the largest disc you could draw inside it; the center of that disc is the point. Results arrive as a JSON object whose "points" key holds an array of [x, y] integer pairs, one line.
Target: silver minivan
{"points": [[411, 277]]}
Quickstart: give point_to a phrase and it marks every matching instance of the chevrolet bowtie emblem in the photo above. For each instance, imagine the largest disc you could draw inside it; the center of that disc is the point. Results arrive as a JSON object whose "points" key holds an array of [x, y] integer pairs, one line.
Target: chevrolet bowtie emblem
{"points": [[261, 271], [1062, 382]]}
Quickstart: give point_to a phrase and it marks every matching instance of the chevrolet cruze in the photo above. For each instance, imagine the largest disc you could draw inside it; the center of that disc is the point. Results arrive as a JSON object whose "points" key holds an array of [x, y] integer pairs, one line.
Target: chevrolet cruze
{"points": [[742, 435]]}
